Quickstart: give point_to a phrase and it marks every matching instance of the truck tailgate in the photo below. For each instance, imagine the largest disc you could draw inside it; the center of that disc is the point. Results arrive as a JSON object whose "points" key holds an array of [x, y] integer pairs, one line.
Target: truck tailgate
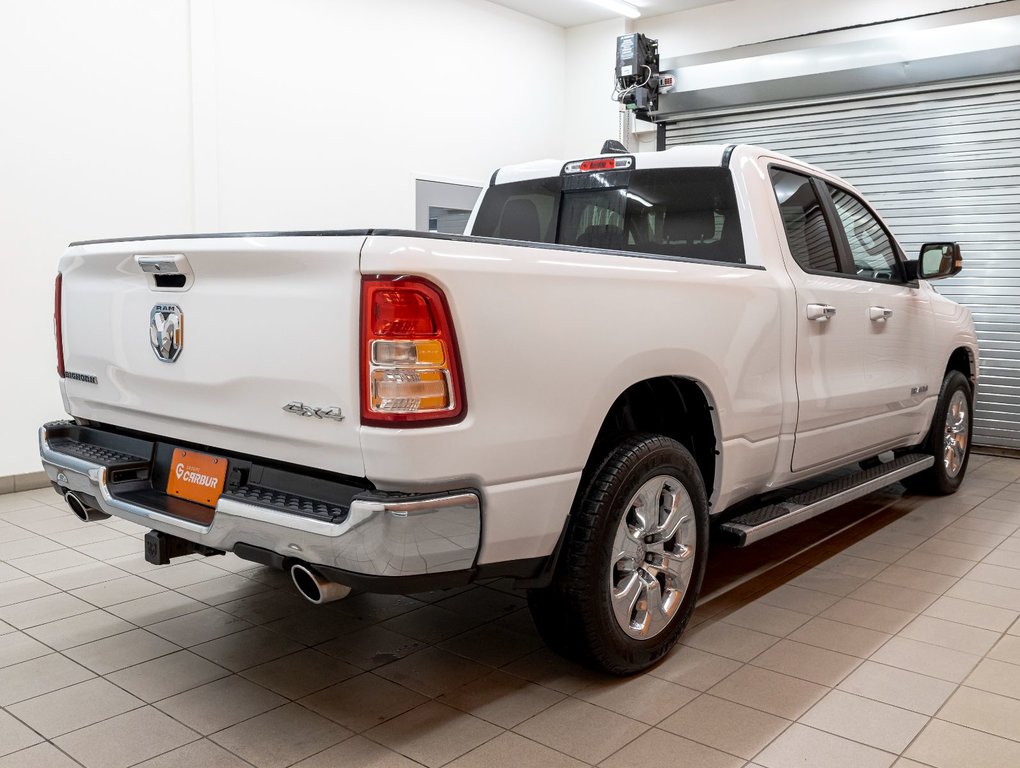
{"points": [[265, 321]]}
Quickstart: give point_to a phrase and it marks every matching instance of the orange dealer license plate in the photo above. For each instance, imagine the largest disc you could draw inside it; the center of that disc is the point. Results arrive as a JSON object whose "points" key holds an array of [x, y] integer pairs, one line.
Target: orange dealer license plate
{"points": [[196, 476]]}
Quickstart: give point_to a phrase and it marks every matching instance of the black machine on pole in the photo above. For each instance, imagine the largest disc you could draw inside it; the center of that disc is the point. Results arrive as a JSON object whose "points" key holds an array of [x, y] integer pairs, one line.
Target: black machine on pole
{"points": [[637, 73]]}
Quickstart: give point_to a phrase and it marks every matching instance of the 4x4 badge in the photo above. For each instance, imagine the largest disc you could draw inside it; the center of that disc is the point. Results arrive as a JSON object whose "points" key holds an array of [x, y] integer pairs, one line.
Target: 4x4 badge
{"points": [[310, 411], [166, 331]]}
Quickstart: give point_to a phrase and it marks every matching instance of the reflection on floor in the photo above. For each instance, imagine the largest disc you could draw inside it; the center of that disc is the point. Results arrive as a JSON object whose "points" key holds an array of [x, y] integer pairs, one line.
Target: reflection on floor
{"points": [[888, 627]]}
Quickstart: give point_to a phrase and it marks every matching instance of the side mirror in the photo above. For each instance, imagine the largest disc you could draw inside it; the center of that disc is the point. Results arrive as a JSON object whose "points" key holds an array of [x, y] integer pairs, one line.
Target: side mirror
{"points": [[938, 260]]}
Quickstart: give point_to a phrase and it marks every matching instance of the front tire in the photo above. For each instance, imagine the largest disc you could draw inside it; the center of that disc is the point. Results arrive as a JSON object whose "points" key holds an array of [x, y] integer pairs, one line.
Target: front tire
{"points": [[948, 439], [633, 561]]}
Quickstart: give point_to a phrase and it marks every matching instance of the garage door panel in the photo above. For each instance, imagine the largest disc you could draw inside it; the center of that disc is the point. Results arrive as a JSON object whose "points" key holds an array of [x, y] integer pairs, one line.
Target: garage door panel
{"points": [[942, 163]]}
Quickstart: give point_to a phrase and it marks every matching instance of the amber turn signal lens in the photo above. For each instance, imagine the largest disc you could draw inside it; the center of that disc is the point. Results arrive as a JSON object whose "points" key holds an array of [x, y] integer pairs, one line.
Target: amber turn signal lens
{"points": [[408, 353]]}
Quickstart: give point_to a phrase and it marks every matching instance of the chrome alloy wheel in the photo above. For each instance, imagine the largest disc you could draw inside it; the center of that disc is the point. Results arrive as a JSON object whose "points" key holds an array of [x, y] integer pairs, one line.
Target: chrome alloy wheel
{"points": [[956, 434], [653, 557]]}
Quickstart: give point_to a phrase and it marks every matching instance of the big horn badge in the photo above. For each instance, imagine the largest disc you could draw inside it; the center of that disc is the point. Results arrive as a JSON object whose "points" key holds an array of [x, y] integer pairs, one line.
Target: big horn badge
{"points": [[166, 331]]}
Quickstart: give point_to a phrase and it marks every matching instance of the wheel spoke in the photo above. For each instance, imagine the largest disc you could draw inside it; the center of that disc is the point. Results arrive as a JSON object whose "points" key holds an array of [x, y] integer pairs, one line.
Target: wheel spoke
{"points": [[679, 513], [654, 615], [624, 561], [626, 598], [675, 567], [681, 563], [645, 509]]}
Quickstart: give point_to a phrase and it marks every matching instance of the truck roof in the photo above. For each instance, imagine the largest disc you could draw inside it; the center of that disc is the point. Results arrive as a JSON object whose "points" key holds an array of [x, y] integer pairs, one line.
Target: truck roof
{"points": [[687, 156]]}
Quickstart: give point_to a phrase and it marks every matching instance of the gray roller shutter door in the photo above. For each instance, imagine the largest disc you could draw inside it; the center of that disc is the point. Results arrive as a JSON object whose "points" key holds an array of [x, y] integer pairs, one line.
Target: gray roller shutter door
{"points": [[938, 164]]}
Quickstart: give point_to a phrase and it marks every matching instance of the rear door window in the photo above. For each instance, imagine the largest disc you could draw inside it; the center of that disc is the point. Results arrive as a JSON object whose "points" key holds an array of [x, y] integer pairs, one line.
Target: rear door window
{"points": [[807, 231]]}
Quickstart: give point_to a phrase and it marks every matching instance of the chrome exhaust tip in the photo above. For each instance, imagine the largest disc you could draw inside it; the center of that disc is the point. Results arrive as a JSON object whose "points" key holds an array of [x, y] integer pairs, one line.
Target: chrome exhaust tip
{"points": [[82, 509], [314, 588]]}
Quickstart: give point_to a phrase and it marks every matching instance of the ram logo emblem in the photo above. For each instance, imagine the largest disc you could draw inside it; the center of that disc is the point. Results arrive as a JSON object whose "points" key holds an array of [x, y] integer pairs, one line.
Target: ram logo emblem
{"points": [[166, 331]]}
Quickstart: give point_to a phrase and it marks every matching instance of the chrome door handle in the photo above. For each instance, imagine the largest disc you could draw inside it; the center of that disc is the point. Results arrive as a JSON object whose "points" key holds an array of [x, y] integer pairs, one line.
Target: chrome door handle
{"points": [[820, 312], [880, 313]]}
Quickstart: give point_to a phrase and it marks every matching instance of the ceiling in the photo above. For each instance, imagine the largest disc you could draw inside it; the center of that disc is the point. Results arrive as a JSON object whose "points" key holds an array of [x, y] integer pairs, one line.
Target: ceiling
{"points": [[571, 13]]}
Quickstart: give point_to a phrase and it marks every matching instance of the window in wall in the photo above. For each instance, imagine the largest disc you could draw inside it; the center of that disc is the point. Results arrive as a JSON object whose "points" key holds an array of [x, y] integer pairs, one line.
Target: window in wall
{"points": [[806, 229], [870, 246], [450, 221], [442, 206]]}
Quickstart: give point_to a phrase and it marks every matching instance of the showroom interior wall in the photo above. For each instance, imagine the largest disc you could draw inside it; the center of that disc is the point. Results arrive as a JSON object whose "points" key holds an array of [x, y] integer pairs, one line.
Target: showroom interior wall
{"points": [[128, 118], [591, 116]]}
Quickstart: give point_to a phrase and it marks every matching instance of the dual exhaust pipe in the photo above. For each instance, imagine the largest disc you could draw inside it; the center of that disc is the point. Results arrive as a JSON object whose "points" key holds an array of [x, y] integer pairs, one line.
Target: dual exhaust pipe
{"points": [[311, 584]]}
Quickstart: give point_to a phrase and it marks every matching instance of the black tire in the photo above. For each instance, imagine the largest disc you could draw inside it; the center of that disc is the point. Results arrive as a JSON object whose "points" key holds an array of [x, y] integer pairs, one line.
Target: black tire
{"points": [[941, 479], [575, 615]]}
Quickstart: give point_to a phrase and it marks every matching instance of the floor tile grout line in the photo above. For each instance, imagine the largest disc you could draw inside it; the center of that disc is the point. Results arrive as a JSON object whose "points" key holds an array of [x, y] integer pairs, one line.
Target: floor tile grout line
{"points": [[141, 705], [47, 742], [694, 737], [185, 744], [894, 755]]}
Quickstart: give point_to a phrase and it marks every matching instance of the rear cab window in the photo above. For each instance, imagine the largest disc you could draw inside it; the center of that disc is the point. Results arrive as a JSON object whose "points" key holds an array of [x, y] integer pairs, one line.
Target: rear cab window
{"points": [[686, 213]]}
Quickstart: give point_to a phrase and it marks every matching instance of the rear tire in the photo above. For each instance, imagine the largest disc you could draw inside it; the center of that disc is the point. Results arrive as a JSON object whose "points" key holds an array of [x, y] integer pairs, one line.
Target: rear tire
{"points": [[633, 561], [948, 439]]}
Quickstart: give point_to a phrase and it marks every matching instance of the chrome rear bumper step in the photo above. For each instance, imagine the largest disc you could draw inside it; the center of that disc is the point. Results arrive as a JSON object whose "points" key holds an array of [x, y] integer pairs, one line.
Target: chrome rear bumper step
{"points": [[380, 534], [763, 522]]}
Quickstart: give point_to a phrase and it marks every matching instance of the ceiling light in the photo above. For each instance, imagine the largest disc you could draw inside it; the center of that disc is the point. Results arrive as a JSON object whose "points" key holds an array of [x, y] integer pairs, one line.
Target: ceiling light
{"points": [[620, 7]]}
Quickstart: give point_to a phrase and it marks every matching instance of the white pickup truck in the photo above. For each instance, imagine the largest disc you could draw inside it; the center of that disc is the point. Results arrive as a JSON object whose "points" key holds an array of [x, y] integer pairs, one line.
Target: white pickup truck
{"points": [[626, 349]]}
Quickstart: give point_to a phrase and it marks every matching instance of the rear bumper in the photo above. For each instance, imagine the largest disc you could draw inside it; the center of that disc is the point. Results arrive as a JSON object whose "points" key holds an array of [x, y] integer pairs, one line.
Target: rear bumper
{"points": [[376, 534]]}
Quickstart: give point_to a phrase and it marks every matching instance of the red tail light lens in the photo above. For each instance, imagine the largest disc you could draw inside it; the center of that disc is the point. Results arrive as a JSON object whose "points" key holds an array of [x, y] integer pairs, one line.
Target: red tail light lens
{"points": [[402, 313], [410, 367], [57, 330]]}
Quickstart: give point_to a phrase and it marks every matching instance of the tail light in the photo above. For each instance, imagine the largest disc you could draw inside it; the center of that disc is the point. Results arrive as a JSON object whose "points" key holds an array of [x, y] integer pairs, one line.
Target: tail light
{"points": [[599, 164], [57, 331], [410, 366]]}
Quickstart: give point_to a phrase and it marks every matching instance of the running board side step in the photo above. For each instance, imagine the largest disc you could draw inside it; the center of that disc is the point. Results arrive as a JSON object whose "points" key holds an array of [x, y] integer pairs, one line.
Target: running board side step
{"points": [[759, 523]]}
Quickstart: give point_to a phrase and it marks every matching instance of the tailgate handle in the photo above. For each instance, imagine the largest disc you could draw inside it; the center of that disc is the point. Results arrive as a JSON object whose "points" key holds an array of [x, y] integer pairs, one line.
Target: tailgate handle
{"points": [[166, 271], [161, 265]]}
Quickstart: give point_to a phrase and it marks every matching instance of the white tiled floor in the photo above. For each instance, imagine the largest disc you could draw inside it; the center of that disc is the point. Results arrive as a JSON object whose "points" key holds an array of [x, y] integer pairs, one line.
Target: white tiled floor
{"points": [[885, 633]]}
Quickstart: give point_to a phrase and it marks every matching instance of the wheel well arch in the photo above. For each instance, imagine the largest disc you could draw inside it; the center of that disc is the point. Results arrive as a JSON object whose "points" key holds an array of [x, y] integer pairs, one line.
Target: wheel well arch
{"points": [[673, 406], [962, 360]]}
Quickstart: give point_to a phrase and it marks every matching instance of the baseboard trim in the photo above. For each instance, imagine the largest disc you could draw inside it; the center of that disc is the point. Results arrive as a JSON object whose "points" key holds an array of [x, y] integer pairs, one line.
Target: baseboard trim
{"points": [[29, 481]]}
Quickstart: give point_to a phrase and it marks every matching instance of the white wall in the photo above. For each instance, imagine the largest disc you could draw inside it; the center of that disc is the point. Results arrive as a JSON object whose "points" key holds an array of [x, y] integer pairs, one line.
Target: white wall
{"points": [[328, 110], [95, 140], [124, 118], [591, 116]]}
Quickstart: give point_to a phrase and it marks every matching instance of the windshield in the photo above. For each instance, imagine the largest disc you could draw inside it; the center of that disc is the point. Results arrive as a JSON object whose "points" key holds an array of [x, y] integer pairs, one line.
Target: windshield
{"points": [[679, 212]]}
